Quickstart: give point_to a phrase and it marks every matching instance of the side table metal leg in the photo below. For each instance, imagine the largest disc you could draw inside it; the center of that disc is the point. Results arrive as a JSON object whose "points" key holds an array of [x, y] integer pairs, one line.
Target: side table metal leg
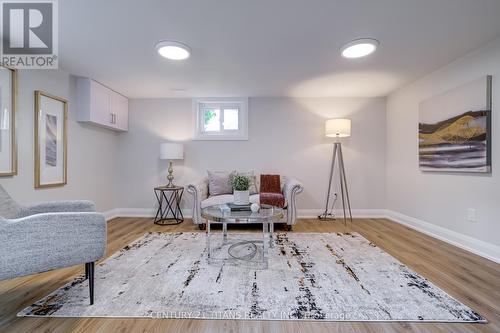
{"points": [[170, 204], [178, 204], [159, 214]]}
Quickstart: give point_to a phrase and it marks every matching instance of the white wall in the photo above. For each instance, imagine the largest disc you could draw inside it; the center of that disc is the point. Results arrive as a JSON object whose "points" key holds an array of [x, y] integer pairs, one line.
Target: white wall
{"points": [[91, 150], [442, 199], [286, 136]]}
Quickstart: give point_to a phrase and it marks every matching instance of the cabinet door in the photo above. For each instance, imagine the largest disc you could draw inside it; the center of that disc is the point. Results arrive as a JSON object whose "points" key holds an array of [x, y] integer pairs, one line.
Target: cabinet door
{"points": [[119, 107], [100, 108]]}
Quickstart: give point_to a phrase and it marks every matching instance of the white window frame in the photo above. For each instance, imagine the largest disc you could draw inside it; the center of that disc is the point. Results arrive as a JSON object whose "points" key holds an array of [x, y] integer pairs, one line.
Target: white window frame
{"points": [[223, 103]]}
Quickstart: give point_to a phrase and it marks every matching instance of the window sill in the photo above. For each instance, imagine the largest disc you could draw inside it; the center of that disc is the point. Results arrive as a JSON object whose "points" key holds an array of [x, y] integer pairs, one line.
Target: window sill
{"points": [[216, 137]]}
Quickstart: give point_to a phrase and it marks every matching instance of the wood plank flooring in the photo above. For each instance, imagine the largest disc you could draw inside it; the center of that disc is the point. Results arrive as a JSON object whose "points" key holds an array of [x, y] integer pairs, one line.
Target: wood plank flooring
{"points": [[472, 280]]}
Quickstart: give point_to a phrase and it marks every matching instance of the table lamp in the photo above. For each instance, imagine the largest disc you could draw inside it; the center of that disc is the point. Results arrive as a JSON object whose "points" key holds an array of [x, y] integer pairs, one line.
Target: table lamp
{"points": [[338, 128], [171, 151]]}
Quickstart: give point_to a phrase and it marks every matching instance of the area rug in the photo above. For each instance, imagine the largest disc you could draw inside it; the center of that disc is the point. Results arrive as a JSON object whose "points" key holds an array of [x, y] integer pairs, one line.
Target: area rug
{"points": [[310, 276]]}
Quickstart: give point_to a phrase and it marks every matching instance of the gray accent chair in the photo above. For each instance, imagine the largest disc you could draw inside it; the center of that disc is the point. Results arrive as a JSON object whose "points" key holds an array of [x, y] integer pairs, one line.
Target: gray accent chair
{"points": [[201, 199], [46, 236]]}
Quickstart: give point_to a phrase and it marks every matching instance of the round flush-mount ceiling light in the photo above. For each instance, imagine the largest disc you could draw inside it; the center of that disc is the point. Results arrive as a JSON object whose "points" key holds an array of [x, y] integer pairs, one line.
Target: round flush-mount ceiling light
{"points": [[359, 48], [173, 50]]}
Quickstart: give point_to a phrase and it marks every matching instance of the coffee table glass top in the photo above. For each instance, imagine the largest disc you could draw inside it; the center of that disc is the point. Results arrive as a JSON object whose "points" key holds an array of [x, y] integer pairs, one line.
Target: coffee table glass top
{"points": [[222, 213]]}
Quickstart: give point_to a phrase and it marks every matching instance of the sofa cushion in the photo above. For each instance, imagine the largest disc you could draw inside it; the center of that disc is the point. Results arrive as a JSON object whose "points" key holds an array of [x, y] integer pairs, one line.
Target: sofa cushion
{"points": [[225, 198], [219, 182]]}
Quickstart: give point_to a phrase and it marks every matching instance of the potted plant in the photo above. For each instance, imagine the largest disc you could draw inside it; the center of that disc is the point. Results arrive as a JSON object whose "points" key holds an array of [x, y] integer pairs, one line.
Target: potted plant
{"points": [[241, 185]]}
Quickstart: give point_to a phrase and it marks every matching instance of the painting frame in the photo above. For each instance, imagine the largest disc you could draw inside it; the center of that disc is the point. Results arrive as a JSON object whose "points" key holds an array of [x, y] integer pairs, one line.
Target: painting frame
{"points": [[455, 129], [12, 170], [56, 135]]}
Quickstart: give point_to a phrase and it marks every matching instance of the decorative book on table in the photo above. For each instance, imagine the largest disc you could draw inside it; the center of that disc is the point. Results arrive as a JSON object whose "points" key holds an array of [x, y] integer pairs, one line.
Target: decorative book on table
{"points": [[238, 208]]}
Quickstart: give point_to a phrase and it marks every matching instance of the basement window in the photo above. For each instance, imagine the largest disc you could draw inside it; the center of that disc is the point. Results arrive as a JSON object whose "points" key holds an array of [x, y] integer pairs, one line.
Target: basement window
{"points": [[221, 118]]}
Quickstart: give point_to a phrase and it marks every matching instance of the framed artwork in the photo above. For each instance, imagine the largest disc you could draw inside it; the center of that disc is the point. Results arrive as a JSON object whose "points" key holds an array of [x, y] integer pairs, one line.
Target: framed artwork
{"points": [[8, 105], [454, 129], [51, 114]]}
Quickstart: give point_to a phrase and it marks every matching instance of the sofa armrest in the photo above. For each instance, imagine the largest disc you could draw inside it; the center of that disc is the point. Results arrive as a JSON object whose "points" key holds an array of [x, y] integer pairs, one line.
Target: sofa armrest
{"points": [[42, 242], [58, 206], [199, 190], [291, 188]]}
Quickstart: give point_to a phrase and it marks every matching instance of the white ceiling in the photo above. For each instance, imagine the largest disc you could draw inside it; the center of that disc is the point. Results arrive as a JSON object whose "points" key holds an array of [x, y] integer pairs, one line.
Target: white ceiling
{"points": [[268, 47]]}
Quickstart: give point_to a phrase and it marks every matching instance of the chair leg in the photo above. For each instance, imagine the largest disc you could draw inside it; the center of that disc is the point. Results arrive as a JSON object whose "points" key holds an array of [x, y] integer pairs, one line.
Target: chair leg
{"points": [[86, 270], [90, 266]]}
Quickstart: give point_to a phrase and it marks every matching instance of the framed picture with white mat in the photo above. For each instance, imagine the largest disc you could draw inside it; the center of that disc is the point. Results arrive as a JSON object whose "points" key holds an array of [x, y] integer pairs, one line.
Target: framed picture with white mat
{"points": [[51, 114], [8, 144]]}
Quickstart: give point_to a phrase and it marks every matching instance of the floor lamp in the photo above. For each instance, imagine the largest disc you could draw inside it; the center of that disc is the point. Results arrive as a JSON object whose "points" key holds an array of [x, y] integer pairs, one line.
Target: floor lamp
{"points": [[338, 128]]}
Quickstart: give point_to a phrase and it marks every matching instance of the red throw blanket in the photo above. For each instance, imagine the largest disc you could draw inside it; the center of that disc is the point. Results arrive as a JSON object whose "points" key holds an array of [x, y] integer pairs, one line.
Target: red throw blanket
{"points": [[270, 191]]}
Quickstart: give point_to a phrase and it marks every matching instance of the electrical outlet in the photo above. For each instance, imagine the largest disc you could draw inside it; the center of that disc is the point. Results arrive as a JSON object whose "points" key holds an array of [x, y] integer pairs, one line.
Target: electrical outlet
{"points": [[471, 215]]}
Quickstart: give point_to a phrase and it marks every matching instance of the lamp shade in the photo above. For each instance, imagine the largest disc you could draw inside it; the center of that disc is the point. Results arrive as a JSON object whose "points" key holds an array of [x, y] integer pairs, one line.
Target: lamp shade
{"points": [[339, 128], [171, 151]]}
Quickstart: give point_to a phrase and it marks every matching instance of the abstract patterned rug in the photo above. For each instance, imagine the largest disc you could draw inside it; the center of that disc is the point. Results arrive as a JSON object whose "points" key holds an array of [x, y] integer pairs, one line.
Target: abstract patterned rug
{"points": [[311, 276]]}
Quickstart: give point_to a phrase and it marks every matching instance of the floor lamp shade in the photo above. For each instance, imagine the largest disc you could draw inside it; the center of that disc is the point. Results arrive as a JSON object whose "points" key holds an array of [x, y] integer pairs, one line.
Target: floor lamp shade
{"points": [[338, 128], [171, 151]]}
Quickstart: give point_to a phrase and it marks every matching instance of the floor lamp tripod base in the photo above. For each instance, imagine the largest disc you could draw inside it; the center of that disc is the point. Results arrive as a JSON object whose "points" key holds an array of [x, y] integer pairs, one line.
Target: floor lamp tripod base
{"points": [[344, 193], [327, 216]]}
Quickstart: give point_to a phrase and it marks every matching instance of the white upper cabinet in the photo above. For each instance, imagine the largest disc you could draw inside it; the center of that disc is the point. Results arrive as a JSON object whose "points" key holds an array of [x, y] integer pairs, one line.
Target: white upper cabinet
{"points": [[119, 108], [97, 104]]}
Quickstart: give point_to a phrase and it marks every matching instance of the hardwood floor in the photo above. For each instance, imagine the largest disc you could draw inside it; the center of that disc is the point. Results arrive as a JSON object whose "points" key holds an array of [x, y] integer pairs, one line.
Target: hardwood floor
{"points": [[472, 280]]}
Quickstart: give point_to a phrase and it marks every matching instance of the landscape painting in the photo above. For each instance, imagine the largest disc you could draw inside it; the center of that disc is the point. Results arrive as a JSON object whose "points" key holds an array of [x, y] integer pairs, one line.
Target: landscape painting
{"points": [[455, 129]]}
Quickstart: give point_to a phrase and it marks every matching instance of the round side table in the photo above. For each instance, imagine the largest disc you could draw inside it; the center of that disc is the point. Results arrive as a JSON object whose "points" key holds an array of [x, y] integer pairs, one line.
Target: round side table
{"points": [[169, 210]]}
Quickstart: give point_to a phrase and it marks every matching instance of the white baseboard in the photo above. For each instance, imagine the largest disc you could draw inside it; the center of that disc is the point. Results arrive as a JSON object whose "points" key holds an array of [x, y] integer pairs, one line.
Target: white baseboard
{"points": [[302, 213], [138, 212], [356, 213], [476, 246], [111, 214]]}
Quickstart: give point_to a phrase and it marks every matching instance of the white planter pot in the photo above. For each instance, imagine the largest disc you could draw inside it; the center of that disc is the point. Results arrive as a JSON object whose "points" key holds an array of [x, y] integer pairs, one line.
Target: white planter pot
{"points": [[241, 197]]}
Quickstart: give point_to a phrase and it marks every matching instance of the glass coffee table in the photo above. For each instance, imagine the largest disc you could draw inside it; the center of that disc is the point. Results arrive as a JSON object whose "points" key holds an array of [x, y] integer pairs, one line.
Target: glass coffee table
{"points": [[239, 249]]}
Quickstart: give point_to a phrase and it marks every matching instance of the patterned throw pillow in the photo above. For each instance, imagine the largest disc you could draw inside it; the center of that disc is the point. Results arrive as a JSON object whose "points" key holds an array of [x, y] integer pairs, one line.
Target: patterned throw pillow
{"points": [[219, 182]]}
